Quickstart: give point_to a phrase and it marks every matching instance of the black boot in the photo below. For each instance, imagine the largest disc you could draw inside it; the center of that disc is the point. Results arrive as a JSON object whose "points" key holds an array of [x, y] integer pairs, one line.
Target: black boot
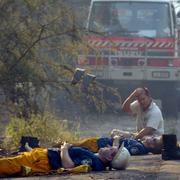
{"points": [[170, 150], [33, 142]]}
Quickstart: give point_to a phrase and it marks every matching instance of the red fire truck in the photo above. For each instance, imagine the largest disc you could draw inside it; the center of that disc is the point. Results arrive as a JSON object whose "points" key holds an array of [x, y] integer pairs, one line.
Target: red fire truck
{"points": [[134, 43]]}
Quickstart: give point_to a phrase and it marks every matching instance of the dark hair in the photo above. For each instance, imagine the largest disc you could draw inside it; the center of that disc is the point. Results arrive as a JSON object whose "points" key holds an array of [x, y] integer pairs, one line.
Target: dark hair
{"points": [[155, 150]]}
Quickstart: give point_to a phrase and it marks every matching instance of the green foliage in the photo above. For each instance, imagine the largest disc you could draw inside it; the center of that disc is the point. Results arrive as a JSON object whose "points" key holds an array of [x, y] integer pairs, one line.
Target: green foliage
{"points": [[47, 128], [37, 46], [39, 43]]}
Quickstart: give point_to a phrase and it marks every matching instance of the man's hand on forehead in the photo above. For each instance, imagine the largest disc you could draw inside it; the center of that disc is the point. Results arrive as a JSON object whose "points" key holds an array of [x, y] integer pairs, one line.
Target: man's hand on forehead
{"points": [[137, 92]]}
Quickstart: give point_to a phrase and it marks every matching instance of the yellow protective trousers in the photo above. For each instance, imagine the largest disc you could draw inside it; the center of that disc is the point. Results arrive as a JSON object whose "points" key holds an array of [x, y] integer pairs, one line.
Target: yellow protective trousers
{"points": [[90, 143], [36, 159]]}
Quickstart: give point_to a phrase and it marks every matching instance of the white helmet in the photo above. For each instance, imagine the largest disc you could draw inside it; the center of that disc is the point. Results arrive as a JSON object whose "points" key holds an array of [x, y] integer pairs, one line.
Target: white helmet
{"points": [[121, 159]]}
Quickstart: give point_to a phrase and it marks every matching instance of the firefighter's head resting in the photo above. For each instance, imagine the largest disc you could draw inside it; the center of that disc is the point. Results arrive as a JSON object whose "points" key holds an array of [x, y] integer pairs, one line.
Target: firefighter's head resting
{"points": [[121, 159], [116, 158]]}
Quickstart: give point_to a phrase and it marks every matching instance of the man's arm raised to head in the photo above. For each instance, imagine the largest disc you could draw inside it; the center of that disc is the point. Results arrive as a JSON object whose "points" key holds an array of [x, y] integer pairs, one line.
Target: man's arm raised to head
{"points": [[65, 158], [133, 96], [144, 132]]}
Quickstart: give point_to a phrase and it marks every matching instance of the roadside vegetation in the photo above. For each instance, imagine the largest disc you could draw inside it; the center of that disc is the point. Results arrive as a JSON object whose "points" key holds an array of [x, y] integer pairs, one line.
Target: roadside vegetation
{"points": [[47, 128]]}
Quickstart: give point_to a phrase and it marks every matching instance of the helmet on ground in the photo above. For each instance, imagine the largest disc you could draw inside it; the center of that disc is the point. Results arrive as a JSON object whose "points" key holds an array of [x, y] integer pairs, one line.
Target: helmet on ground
{"points": [[121, 159]]}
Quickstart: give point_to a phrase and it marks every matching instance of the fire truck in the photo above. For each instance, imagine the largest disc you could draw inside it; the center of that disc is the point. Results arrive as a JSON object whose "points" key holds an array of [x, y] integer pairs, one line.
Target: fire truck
{"points": [[134, 43]]}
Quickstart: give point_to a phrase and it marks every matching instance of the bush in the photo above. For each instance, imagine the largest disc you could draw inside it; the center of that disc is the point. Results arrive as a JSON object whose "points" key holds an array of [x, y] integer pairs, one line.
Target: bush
{"points": [[47, 128]]}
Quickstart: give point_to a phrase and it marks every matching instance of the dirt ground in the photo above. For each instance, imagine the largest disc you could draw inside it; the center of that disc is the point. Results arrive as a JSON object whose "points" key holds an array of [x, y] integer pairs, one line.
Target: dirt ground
{"points": [[149, 167]]}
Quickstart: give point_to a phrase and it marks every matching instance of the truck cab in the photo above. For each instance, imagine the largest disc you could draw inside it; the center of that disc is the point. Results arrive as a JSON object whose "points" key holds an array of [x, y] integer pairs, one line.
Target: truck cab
{"points": [[134, 43]]}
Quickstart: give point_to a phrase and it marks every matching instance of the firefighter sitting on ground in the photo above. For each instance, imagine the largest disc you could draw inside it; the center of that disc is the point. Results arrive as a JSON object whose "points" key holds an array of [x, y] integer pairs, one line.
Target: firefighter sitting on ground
{"points": [[148, 115]]}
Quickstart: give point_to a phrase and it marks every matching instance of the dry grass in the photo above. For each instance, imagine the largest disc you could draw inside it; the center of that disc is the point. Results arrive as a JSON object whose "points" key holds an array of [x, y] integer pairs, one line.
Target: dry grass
{"points": [[47, 128]]}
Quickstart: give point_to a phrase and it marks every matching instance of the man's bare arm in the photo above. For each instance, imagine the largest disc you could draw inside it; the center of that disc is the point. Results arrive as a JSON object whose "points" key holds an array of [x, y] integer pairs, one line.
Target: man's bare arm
{"points": [[116, 140], [65, 158], [126, 104], [130, 99], [144, 132]]}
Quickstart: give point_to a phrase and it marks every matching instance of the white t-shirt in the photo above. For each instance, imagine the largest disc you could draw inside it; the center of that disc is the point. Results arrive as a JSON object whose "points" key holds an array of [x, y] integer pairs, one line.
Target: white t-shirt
{"points": [[152, 117]]}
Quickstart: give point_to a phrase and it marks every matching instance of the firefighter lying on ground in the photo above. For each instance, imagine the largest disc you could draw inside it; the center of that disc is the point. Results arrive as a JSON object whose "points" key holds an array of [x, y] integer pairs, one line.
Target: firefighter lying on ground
{"points": [[151, 144], [41, 160], [148, 144]]}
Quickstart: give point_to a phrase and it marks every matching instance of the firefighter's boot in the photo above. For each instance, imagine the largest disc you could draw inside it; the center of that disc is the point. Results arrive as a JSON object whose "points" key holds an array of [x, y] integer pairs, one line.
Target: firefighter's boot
{"points": [[170, 150]]}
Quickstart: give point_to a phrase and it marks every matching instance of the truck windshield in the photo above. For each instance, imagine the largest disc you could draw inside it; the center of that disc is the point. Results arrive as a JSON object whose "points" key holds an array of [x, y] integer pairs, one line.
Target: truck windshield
{"points": [[143, 19]]}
